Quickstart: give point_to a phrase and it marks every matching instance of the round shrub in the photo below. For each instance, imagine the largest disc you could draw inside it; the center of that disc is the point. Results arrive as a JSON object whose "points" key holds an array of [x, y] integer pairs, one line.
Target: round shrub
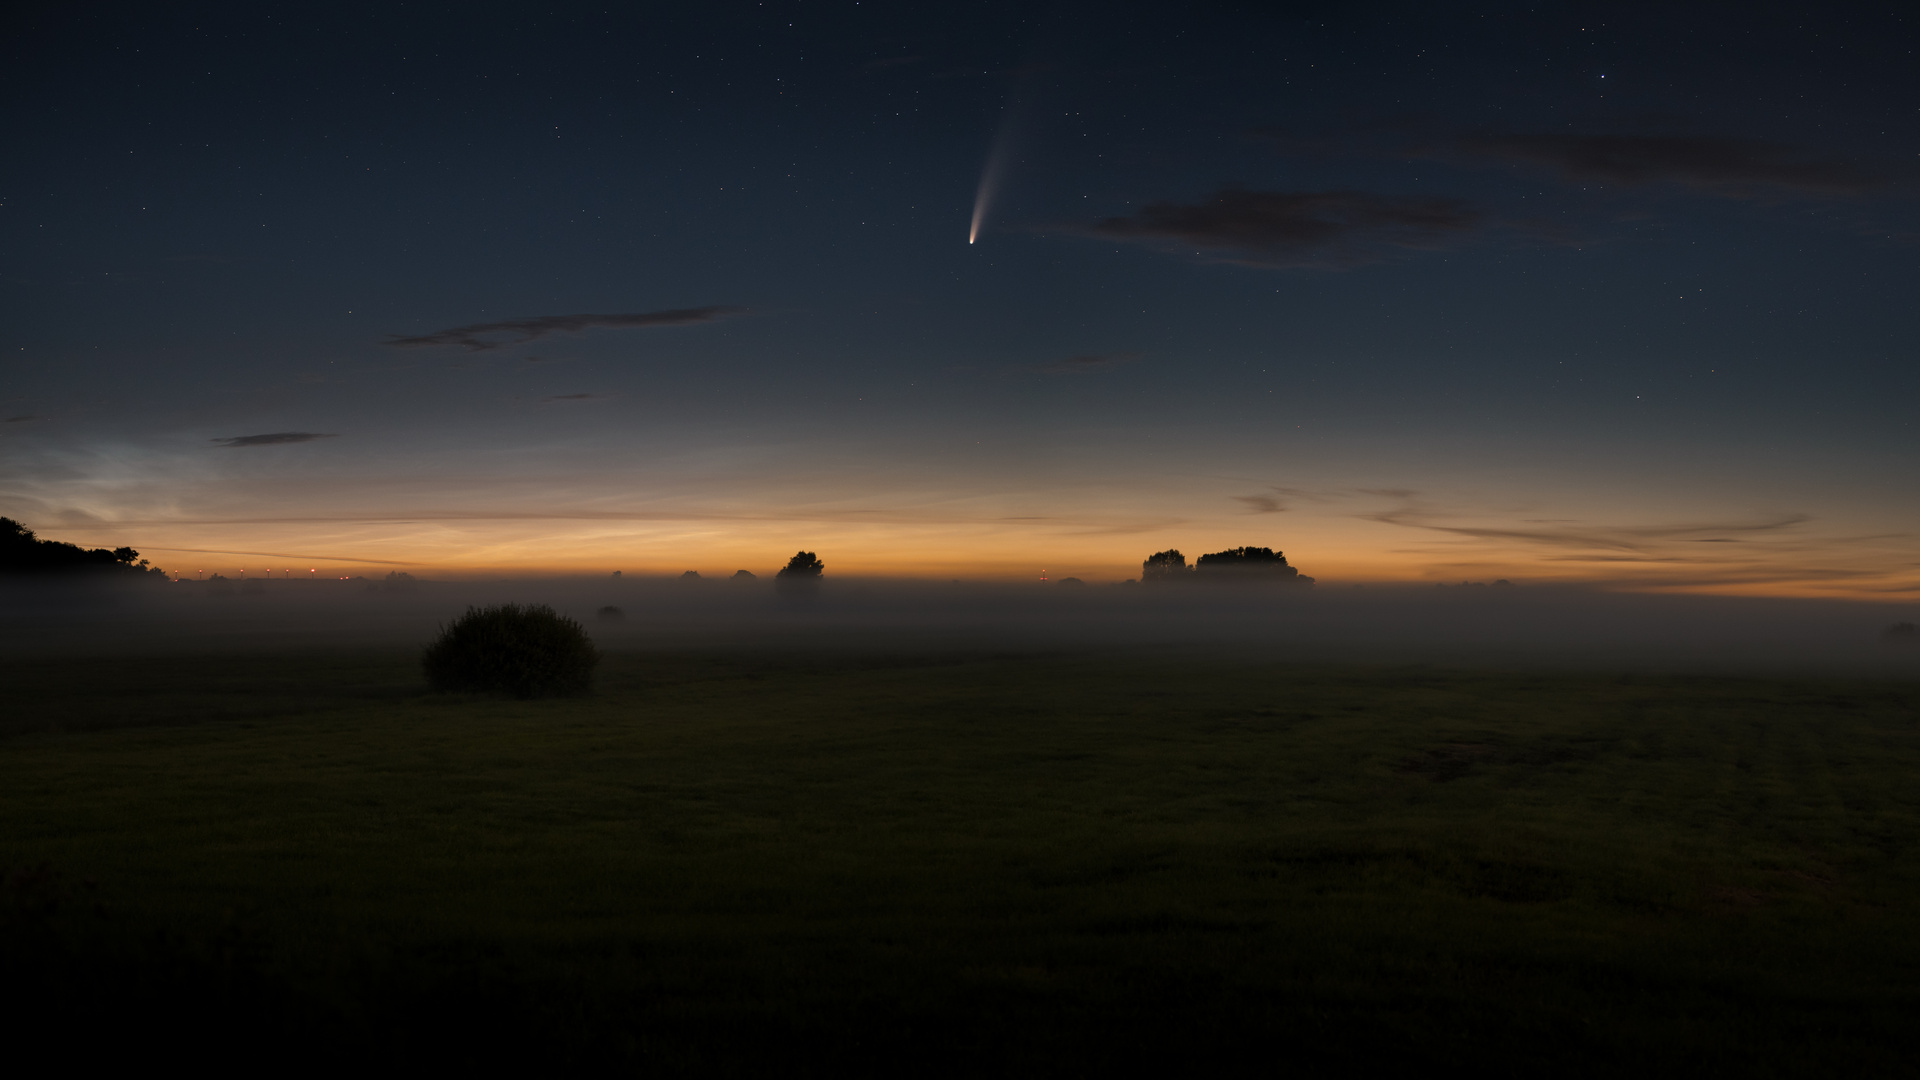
{"points": [[519, 651]]}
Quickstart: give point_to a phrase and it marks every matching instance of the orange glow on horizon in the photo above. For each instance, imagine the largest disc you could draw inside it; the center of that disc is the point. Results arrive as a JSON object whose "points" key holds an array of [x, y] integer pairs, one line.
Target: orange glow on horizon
{"points": [[1337, 552]]}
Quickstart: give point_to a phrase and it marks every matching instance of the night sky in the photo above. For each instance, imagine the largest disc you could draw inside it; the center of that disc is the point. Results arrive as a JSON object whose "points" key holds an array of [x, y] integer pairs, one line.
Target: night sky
{"points": [[1413, 292]]}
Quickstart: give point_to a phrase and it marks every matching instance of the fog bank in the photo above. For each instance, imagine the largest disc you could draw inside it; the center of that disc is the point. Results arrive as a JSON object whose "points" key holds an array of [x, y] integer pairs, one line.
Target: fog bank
{"points": [[1458, 625]]}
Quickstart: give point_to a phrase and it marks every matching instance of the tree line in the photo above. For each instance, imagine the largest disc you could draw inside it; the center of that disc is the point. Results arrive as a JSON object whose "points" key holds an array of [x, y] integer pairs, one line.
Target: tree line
{"points": [[22, 552], [1234, 564]]}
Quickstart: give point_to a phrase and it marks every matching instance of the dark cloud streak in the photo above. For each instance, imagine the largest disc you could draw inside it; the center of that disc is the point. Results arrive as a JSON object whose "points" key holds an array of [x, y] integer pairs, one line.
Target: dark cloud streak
{"points": [[277, 438], [1260, 504], [1298, 228], [481, 336], [1635, 540], [284, 555], [1723, 166]]}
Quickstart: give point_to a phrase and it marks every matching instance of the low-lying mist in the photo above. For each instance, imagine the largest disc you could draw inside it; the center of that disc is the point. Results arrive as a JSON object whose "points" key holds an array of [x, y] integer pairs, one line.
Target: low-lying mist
{"points": [[1549, 627]]}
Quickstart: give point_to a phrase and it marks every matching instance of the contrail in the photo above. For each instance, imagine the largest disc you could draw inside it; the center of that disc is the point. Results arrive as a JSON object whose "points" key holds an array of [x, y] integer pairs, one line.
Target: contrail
{"points": [[284, 555]]}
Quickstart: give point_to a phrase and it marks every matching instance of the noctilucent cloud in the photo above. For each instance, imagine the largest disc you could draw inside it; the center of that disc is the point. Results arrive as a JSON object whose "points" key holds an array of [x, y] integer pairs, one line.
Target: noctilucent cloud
{"points": [[1410, 292]]}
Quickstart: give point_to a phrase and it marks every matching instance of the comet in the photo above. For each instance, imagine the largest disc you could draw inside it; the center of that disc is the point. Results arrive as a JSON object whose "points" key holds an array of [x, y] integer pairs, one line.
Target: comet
{"points": [[990, 177], [989, 186]]}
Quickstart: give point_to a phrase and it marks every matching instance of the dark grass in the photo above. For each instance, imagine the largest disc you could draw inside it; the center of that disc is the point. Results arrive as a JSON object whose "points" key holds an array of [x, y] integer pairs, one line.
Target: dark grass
{"points": [[1066, 865]]}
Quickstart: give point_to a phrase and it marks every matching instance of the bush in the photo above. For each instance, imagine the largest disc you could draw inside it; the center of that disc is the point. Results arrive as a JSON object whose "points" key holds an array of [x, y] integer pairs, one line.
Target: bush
{"points": [[516, 651]]}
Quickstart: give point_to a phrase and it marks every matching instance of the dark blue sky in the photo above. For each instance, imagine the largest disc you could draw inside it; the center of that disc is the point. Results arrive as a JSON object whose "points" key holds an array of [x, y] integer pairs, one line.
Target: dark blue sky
{"points": [[1593, 294]]}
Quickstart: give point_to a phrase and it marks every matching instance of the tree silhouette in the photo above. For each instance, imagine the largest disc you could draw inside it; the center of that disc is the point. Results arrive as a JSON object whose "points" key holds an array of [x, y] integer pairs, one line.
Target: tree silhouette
{"points": [[1232, 565], [515, 651], [21, 552], [1249, 564], [1167, 565], [801, 575], [804, 564], [1246, 564]]}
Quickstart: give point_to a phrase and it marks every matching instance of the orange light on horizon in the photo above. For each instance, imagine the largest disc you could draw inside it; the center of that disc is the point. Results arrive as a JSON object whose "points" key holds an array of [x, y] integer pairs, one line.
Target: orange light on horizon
{"points": [[1338, 550]]}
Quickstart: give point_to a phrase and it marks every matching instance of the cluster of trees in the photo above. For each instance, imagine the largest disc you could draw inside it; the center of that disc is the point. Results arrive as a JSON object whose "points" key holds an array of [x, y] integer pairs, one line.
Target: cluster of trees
{"points": [[21, 552], [805, 566], [801, 574], [397, 581], [1252, 564]]}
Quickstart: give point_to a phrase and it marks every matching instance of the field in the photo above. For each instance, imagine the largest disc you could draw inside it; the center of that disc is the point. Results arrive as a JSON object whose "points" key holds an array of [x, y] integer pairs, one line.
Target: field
{"points": [[1073, 864]]}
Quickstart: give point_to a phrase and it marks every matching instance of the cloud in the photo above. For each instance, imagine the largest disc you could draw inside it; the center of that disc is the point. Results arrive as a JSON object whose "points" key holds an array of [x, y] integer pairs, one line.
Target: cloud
{"points": [[1625, 540], [1771, 551], [1279, 499], [1260, 504], [28, 419], [492, 335], [284, 555], [1319, 495], [1065, 524], [1089, 362], [1298, 228], [570, 397], [1722, 166], [277, 438]]}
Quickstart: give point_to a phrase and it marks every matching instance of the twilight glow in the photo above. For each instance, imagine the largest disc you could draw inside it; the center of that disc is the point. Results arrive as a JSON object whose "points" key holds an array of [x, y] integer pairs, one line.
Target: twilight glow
{"points": [[1445, 323]]}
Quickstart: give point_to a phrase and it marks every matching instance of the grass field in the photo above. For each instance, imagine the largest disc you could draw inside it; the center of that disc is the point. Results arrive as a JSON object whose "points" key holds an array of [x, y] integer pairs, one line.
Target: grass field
{"points": [[1071, 864]]}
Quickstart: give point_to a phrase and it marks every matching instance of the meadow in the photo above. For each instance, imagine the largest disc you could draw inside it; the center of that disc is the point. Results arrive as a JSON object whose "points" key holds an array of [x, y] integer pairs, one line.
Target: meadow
{"points": [[959, 863]]}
